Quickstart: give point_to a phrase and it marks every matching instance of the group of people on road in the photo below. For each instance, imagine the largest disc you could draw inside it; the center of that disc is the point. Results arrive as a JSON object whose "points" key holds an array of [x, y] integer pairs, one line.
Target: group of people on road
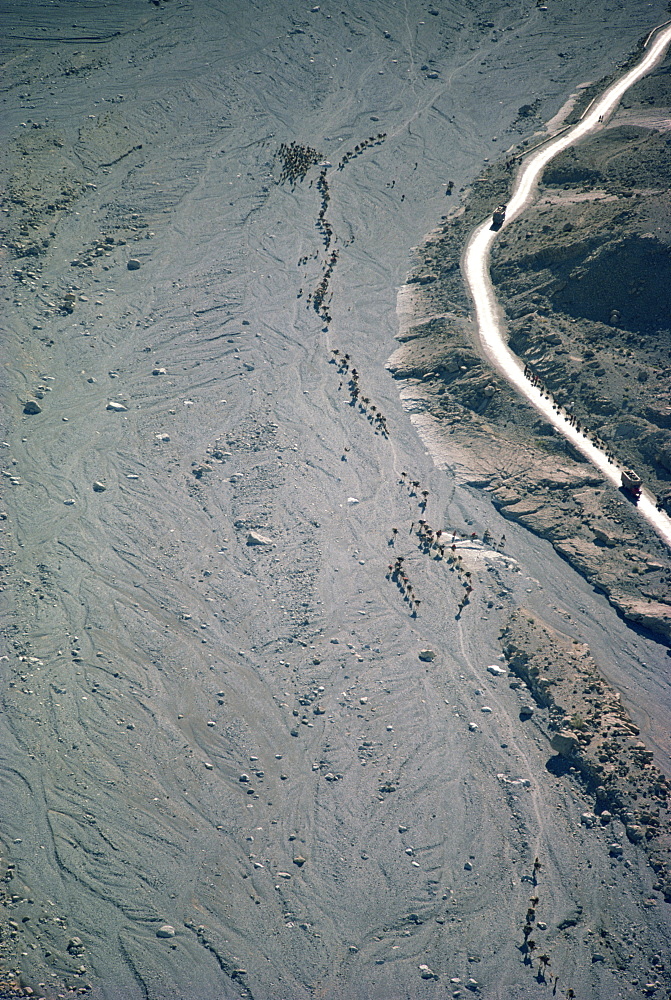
{"points": [[569, 417]]}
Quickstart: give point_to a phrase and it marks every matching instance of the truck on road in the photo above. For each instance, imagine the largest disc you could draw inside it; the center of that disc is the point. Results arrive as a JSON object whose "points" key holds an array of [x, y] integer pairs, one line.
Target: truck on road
{"points": [[499, 216], [631, 483]]}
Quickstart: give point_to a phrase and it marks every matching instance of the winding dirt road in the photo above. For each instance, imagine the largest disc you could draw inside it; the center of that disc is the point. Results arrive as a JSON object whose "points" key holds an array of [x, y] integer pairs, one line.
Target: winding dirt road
{"points": [[488, 314]]}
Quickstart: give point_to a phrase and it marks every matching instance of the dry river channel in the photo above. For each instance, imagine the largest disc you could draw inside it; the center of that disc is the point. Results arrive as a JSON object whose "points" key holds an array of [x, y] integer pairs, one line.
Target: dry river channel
{"points": [[226, 771]]}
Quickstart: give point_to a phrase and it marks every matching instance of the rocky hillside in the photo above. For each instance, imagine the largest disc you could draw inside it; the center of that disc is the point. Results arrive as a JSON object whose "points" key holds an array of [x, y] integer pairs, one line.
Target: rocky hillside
{"points": [[585, 279]]}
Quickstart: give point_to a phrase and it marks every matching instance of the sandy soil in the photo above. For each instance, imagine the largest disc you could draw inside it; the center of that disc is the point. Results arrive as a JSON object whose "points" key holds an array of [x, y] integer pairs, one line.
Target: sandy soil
{"points": [[215, 714]]}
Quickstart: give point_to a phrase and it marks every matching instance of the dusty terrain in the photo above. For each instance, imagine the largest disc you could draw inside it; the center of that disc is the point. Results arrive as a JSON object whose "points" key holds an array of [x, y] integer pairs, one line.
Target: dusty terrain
{"points": [[260, 737]]}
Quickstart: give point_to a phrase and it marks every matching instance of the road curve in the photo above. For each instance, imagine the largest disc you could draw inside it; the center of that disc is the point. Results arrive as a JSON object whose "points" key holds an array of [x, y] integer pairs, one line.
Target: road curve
{"points": [[488, 314]]}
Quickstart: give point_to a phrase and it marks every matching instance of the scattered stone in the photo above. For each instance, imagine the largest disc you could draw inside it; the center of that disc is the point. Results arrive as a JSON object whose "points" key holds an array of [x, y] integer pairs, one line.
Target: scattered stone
{"points": [[473, 726], [159, 371], [116, 407], [75, 946], [616, 850], [70, 503], [352, 500], [588, 819], [200, 470], [427, 655], [133, 264], [299, 860], [526, 711], [32, 408], [166, 931], [427, 973], [468, 867], [486, 709], [99, 487], [494, 669], [564, 742], [254, 538]]}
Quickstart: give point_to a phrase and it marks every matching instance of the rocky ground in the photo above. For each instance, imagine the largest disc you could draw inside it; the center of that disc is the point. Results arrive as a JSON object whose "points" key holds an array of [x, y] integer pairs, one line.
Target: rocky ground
{"points": [[583, 278], [297, 700]]}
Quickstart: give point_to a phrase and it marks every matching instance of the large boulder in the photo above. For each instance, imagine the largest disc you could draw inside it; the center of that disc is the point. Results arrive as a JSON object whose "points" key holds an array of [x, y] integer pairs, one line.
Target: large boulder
{"points": [[565, 742]]}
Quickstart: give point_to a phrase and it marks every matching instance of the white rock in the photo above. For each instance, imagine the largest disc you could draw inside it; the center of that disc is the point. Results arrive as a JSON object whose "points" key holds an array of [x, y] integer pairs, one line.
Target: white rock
{"points": [[254, 538], [352, 500], [116, 407], [493, 668], [166, 931]]}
